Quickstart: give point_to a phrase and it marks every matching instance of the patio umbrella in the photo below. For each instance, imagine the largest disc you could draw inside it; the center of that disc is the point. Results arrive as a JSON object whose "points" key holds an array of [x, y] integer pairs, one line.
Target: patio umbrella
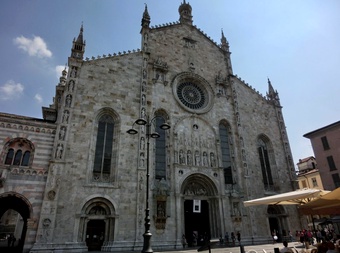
{"points": [[328, 204], [298, 197]]}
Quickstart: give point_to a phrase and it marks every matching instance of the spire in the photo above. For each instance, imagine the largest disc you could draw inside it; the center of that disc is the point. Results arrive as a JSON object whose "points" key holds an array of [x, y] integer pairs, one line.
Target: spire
{"points": [[185, 16], [62, 79], [146, 17], [224, 43], [78, 47], [272, 94]]}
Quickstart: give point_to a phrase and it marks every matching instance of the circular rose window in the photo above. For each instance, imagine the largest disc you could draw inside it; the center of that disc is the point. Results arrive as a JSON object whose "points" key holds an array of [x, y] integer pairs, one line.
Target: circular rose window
{"points": [[192, 92]]}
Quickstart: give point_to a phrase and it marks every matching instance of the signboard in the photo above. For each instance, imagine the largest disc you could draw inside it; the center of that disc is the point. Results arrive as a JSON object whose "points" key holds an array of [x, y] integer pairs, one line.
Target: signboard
{"points": [[197, 206]]}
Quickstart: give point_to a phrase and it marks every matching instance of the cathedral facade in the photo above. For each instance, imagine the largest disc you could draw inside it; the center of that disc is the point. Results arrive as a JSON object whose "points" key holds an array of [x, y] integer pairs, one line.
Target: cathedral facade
{"points": [[165, 138]]}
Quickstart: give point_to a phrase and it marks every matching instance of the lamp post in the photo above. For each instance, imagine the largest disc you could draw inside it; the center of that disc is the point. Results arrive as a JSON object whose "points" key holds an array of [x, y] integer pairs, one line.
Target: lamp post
{"points": [[147, 123]]}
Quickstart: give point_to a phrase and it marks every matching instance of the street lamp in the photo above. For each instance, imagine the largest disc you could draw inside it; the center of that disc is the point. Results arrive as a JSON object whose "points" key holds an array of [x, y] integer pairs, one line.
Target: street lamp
{"points": [[142, 122]]}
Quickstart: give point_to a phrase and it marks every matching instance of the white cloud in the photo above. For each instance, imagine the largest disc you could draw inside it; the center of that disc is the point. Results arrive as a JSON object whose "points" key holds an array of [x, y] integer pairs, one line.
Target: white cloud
{"points": [[38, 98], [34, 47], [59, 69], [11, 90]]}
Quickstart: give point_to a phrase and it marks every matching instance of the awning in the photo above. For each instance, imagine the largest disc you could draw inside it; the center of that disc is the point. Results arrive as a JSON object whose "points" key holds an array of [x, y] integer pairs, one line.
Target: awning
{"points": [[328, 204], [298, 197]]}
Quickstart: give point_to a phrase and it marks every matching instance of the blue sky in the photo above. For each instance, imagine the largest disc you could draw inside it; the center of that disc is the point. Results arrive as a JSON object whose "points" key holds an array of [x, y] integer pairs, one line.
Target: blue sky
{"points": [[294, 43]]}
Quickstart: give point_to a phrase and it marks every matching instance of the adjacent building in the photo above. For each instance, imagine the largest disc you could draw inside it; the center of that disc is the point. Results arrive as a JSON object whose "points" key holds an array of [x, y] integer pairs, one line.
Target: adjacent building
{"points": [[78, 177], [308, 175], [326, 146]]}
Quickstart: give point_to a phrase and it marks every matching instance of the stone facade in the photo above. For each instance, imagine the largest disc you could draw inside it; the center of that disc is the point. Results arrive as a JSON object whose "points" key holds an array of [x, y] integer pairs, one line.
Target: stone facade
{"points": [[226, 143]]}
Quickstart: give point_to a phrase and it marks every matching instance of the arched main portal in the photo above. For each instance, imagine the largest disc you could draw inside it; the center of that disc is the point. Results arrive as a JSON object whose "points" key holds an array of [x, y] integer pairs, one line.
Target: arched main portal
{"points": [[277, 221], [14, 201], [201, 217], [97, 223]]}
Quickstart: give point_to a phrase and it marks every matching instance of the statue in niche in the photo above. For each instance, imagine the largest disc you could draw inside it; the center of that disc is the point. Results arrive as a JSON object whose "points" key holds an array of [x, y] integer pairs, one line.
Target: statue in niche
{"points": [[144, 74], [59, 151], [181, 157], [244, 158], [189, 157], [162, 187], [145, 62], [236, 209], [65, 116], [73, 72], [68, 100], [142, 143], [212, 160], [142, 159], [143, 113], [197, 158], [205, 159], [161, 209], [62, 133], [71, 86], [144, 87], [143, 99]]}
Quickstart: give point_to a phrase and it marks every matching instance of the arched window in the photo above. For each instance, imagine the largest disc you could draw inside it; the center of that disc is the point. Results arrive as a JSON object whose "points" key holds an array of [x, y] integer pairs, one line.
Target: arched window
{"points": [[26, 158], [18, 152], [104, 144], [17, 158], [160, 152], [265, 163], [226, 153], [9, 157]]}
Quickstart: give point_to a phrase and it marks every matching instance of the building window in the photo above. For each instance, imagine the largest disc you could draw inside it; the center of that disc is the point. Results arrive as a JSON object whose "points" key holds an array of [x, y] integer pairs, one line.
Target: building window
{"points": [[265, 164], [331, 163], [304, 184], [336, 180], [325, 143], [314, 182], [226, 153], [18, 152], [160, 149], [103, 153]]}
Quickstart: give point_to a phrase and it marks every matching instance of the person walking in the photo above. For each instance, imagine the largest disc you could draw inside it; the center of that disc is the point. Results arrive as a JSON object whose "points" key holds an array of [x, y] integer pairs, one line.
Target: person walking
{"points": [[238, 237], [184, 241], [233, 238], [226, 238]]}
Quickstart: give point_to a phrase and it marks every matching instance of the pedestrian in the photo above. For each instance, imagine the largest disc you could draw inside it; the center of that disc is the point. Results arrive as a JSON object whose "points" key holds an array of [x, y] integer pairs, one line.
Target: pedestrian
{"points": [[194, 239], [184, 241], [290, 236], [226, 238], [13, 240], [233, 238], [285, 248], [9, 240], [274, 236], [238, 237]]}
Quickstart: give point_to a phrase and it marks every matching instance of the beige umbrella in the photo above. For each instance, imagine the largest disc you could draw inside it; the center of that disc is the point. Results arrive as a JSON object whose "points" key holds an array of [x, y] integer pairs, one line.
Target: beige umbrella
{"points": [[298, 197], [328, 204]]}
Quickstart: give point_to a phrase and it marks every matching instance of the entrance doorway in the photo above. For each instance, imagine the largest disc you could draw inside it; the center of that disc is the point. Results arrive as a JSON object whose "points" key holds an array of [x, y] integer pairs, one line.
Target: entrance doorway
{"points": [[196, 223], [95, 234], [15, 210], [274, 227]]}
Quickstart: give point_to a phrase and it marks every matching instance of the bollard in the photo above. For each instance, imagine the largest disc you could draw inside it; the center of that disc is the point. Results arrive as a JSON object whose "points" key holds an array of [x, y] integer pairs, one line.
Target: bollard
{"points": [[242, 249]]}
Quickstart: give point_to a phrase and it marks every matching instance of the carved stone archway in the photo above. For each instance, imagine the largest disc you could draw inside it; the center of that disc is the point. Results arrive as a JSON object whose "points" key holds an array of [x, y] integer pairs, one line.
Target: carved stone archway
{"points": [[200, 189]]}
